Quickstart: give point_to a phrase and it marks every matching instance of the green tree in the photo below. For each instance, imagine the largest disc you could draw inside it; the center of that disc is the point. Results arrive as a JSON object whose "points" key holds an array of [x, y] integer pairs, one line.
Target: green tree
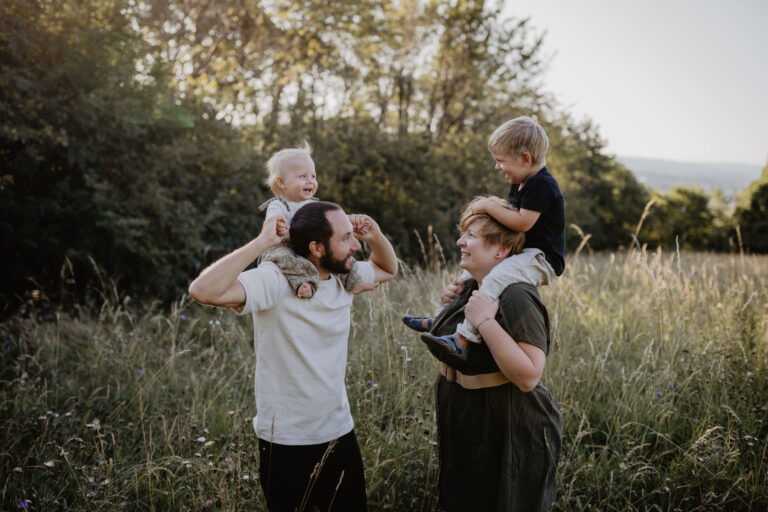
{"points": [[102, 164], [602, 197], [752, 215], [684, 217]]}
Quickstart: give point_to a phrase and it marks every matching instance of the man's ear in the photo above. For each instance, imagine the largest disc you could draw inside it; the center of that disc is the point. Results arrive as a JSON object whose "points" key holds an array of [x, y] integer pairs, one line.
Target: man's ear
{"points": [[316, 249], [526, 158]]}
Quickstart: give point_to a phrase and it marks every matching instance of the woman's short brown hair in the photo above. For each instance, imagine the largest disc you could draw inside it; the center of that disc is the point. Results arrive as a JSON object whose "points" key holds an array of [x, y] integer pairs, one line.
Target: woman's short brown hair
{"points": [[493, 231]]}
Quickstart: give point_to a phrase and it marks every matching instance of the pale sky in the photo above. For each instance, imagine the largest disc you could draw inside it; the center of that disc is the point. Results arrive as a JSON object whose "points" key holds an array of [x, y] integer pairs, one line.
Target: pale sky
{"points": [[677, 79]]}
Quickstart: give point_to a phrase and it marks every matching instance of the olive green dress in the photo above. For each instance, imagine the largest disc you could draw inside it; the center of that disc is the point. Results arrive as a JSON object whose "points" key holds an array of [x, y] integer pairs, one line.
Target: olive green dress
{"points": [[499, 446]]}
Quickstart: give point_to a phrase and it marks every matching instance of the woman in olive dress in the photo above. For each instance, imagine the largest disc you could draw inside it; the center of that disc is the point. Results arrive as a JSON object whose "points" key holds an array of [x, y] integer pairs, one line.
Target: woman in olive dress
{"points": [[499, 429]]}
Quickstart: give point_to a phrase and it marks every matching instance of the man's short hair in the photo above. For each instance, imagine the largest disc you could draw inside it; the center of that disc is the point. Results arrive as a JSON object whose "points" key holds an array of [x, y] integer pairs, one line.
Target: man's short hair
{"points": [[276, 165], [309, 224], [521, 135], [493, 231]]}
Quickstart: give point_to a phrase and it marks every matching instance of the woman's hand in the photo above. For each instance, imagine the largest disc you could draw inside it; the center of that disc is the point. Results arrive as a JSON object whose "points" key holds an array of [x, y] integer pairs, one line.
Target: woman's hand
{"points": [[479, 309], [452, 291]]}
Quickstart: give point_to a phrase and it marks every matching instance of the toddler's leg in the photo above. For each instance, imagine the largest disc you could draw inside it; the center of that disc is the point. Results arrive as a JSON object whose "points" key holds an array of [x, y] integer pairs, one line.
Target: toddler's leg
{"points": [[352, 279], [300, 272], [530, 266]]}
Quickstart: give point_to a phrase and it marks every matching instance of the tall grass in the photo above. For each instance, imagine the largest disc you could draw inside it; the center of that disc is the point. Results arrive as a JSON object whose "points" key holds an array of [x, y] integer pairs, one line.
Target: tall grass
{"points": [[659, 362]]}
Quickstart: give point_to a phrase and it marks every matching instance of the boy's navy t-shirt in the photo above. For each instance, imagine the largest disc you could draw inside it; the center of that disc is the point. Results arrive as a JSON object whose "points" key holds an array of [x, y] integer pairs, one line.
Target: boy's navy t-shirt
{"points": [[542, 194]]}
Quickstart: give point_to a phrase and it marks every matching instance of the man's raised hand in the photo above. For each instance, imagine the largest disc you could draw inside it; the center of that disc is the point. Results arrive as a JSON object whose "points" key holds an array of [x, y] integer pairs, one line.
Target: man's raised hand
{"points": [[273, 230], [364, 227]]}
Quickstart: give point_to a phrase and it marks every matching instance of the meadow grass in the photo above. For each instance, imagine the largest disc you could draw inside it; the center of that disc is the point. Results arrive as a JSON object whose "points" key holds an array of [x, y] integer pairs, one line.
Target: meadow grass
{"points": [[659, 362]]}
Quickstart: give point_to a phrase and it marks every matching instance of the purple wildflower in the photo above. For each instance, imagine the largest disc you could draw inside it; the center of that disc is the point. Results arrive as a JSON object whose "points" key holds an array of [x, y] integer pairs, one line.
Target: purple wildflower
{"points": [[140, 371], [657, 395], [182, 316], [368, 383], [689, 274], [24, 504]]}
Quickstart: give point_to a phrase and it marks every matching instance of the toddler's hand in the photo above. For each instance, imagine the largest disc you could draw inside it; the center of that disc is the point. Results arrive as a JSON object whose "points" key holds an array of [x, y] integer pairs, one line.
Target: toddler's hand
{"points": [[365, 228], [482, 206], [282, 227], [270, 230]]}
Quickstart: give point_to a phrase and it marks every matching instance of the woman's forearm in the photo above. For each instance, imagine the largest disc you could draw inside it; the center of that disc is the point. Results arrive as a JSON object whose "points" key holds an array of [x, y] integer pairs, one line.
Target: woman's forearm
{"points": [[521, 363]]}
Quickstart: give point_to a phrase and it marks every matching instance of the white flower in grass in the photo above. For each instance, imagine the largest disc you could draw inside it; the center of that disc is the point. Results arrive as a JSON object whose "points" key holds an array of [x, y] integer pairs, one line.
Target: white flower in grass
{"points": [[49, 463]]}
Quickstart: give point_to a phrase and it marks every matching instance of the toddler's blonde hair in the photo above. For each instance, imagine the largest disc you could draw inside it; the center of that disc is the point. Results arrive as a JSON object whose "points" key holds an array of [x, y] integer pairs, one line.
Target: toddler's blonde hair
{"points": [[276, 163], [521, 135]]}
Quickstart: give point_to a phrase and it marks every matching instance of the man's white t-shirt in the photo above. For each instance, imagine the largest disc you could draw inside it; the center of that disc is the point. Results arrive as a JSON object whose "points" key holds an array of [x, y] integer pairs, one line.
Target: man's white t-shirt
{"points": [[301, 356]]}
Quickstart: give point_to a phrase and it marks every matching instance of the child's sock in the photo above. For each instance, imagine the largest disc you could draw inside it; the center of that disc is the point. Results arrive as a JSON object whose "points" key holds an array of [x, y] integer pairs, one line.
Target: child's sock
{"points": [[305, 291]]}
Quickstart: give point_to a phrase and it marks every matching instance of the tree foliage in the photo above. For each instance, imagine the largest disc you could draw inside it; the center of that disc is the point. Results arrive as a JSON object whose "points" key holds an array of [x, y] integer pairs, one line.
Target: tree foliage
{"points": [[752, 215], [135, 134]]}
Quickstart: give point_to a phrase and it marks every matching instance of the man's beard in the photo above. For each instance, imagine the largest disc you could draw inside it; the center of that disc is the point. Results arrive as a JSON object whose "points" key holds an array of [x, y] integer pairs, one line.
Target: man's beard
{"points": [[334, 265]]}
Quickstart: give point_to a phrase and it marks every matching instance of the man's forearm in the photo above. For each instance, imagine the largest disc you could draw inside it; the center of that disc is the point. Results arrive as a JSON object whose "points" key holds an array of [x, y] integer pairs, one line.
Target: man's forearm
{"points": [[383, 256], [215, 280]]}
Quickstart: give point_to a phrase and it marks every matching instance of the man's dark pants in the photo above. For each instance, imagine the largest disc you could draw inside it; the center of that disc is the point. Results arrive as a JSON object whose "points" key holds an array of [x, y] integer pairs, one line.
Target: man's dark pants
{"points": [[329, 476]]}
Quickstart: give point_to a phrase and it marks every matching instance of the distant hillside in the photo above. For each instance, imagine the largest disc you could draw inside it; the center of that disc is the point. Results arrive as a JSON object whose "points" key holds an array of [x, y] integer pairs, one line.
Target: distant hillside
{"points": [[665, 174]]}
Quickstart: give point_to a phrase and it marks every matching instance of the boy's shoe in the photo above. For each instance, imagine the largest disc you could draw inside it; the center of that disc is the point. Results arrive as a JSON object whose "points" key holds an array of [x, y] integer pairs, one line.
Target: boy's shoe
{"points": [[447, 345], [417, 323]]}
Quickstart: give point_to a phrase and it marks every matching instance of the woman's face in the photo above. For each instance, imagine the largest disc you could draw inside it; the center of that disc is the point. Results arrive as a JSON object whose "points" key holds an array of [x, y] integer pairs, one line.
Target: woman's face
{"points": [[478, 257]]}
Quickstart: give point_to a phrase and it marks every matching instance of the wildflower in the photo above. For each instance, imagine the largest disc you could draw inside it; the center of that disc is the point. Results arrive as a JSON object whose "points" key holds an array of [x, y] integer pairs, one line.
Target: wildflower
{"points": [[108, 352], [49, 463], [24, 504], [140, 371], [671, 385], [206, 505], [368, 383], [657, 395], [689, 274], [182, 316]]}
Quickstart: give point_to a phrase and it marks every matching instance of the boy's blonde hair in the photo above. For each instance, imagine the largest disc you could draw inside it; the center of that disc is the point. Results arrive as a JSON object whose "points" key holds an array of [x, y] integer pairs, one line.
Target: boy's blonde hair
{"points": [[276, 163], [521, 135], [493, 231]]}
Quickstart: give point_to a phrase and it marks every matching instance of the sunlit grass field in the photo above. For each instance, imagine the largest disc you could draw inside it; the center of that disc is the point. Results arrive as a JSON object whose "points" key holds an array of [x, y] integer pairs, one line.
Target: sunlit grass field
{"points": [[659, 362]]}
